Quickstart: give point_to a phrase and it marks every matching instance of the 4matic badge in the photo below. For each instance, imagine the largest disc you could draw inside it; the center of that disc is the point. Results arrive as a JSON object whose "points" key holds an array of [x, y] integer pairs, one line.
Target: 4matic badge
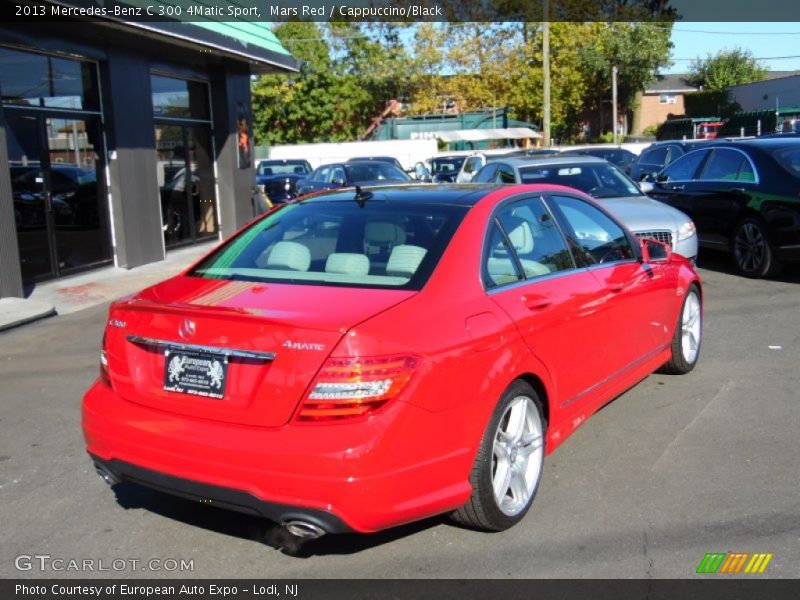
{"points": [[303, 346]]}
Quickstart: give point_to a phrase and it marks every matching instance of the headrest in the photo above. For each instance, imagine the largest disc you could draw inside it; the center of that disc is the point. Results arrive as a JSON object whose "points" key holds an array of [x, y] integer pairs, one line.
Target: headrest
{"points": [[404, 260], [289, 255], [347, 263]]}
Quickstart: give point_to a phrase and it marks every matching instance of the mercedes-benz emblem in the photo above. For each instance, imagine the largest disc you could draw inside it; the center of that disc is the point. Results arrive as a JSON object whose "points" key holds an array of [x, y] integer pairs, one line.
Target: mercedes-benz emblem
{"points": [[187, 329]]}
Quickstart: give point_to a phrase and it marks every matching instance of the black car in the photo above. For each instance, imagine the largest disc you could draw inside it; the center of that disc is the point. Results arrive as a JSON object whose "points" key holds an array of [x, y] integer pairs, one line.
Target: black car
{"points": [[278, 178], [362, 172], [743, 197], [620, 157], [660, 154]]}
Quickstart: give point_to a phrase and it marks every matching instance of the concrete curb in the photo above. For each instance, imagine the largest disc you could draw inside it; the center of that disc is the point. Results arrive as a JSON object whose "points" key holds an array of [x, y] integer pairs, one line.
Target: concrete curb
{"points": [[18, 311]]}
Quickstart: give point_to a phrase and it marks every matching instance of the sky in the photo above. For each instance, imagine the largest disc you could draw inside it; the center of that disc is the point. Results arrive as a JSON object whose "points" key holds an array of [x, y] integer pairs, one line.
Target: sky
{"points": [[764, 40]]}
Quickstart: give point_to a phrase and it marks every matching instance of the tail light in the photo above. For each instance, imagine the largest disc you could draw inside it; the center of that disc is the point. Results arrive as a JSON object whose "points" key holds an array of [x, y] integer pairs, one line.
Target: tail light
{"points": [[356, 386], [104, 377]]}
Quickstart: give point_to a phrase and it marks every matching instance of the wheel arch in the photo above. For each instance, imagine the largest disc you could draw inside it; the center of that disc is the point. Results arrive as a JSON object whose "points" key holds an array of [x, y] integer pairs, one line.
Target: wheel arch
{"points": [[538, 385]]}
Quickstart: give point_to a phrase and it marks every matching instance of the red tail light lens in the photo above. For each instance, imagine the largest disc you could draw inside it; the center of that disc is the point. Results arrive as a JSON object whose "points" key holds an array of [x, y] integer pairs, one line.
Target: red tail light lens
{"points": [[356, 386], [104, 377]]}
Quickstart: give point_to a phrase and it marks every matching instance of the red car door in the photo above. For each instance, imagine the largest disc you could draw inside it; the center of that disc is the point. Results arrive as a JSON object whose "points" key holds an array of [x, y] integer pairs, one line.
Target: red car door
{"points": [[529, 272], [634, 305]]}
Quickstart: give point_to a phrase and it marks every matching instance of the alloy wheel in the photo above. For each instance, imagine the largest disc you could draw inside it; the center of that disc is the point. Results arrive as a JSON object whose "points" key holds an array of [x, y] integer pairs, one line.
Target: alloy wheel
{"points": [[749, 247], [691, 328], [517, 455]]}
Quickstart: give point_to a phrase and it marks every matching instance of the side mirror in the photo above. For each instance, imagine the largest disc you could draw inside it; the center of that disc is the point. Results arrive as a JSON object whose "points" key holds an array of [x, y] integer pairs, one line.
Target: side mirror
{"points": [[646, 187], [654, 251], [658, 177]]}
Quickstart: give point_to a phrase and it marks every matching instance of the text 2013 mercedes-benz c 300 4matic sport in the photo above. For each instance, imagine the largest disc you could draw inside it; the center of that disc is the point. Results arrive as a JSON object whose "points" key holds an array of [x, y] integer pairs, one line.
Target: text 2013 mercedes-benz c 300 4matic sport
{"points": [[364, 358]]}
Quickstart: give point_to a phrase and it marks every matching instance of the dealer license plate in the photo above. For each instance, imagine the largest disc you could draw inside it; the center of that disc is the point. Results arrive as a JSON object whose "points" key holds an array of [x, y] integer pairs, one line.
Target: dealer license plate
{"points": [[195, 373]]}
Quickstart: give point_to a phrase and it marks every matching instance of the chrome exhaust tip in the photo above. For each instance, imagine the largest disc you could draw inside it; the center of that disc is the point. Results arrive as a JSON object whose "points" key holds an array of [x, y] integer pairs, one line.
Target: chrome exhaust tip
{"points": [[304, 530], [106, 475]]}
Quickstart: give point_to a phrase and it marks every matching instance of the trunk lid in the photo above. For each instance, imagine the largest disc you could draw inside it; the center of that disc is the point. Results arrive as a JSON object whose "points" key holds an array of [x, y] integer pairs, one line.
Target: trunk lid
{"points": [[300, 324]]}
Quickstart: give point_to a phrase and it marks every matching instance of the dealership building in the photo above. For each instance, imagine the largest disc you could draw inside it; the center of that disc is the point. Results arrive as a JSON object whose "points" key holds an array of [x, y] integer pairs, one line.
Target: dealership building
{"points": [[121, 141]]}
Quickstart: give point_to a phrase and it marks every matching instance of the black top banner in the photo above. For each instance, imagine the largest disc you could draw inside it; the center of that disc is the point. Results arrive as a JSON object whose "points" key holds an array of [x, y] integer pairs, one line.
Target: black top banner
{"points": [[399, 11]]}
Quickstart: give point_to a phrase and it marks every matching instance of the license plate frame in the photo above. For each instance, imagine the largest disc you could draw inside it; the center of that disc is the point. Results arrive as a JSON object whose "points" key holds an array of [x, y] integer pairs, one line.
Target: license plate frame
{"points": [[195, 373]]}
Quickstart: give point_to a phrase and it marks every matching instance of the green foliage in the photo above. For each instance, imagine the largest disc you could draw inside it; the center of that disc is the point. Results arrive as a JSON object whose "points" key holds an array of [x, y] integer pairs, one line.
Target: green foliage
{"points": [[650, 131], [353, 69], [726, 68]]}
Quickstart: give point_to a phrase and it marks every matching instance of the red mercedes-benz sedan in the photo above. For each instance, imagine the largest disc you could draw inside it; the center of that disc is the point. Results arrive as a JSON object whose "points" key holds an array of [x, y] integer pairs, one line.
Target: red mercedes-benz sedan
{"points": [[360, 359]]}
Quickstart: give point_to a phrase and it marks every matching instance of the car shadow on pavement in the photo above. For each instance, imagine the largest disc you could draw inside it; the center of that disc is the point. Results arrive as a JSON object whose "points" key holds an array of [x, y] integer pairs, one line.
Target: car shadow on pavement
{"points": [[133, 496], [721, 262]]}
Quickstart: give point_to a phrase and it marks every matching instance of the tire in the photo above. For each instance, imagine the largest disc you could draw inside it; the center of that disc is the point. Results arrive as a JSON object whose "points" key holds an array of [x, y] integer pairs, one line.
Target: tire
{"points": [[688, 334], [515, 440], [751, 250]]}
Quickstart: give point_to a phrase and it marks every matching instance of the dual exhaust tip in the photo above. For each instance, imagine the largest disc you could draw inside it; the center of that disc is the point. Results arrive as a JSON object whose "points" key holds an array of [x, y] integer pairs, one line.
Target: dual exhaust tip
{"points": [[302, 530]]}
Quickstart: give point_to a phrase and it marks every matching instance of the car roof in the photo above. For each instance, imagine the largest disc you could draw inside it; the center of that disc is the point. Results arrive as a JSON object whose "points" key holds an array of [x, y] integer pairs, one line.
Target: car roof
{"points": [[465, 194], [770, 143], [555, 160], [273, 161]]}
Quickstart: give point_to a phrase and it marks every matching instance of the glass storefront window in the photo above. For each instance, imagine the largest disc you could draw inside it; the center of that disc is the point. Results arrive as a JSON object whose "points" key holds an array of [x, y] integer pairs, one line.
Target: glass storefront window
{"points": [[179, 98], [42, 81]]}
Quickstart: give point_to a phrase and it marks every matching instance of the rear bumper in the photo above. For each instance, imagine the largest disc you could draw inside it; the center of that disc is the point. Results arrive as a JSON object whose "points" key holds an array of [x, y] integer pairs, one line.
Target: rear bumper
{"points": [[362, 476], [221, 497]]}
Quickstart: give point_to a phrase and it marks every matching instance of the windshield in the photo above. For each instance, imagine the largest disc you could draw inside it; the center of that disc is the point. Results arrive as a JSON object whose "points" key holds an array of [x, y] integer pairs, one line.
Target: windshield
{"points": [[451, 164], [599, 179], [339, 243], [299, 167], [374, 171]]}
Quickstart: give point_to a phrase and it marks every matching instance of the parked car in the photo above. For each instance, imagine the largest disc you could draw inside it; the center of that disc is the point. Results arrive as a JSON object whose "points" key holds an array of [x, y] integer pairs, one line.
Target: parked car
{"points": [[278, 178], [620, 157], [646, 217], [319, 370], [362, 173], [658, 155], [743, 196], [475, 161]]}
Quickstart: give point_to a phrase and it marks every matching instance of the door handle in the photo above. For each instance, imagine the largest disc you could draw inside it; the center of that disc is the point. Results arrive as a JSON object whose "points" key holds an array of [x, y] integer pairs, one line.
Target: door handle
{"points": [[537, 302], [678, 187], [616, 287]]}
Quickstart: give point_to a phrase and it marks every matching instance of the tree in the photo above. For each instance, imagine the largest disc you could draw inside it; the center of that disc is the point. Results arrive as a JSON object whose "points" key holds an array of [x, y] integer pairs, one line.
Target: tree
{"points": [[726, 68]]}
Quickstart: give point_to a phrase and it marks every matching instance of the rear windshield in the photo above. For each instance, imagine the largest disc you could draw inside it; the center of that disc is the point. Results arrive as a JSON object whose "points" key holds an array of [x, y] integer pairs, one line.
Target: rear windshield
{"points": [[283, 168], [374, 170], [447, 165], [339, 243], [596, 179], [789, 159]]}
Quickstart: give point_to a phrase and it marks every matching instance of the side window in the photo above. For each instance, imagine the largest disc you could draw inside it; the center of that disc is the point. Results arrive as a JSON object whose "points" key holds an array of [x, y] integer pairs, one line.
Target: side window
{"points": [[322, 174], [499, 267], [673, 154], [722, 165], [473, 164], [337, 174], [505, 175], [601, 240], [537, 246], [486, 174], [746, 172], [656, 156], [685, 167]]}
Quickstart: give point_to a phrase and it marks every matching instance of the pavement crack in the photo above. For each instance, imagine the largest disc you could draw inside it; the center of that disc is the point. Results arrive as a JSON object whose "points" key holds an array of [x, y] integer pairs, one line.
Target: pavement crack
{"points": [[726, 387], [648, 559]]}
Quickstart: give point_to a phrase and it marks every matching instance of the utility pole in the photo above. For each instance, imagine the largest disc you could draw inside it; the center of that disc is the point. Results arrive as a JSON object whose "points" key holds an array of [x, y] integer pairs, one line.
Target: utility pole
{"points": [[614, 100], [546, 74]]}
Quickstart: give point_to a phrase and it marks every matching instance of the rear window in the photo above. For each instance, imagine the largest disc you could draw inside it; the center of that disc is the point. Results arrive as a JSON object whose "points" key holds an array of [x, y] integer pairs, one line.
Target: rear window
{"points": [[600, 180], [789, 159], [339, 243], [283, 168], [374, 171]]}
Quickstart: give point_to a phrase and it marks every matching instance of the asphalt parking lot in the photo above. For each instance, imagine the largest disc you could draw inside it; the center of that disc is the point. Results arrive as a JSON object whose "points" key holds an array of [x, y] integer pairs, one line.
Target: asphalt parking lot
{"points": [[673, 469]]}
